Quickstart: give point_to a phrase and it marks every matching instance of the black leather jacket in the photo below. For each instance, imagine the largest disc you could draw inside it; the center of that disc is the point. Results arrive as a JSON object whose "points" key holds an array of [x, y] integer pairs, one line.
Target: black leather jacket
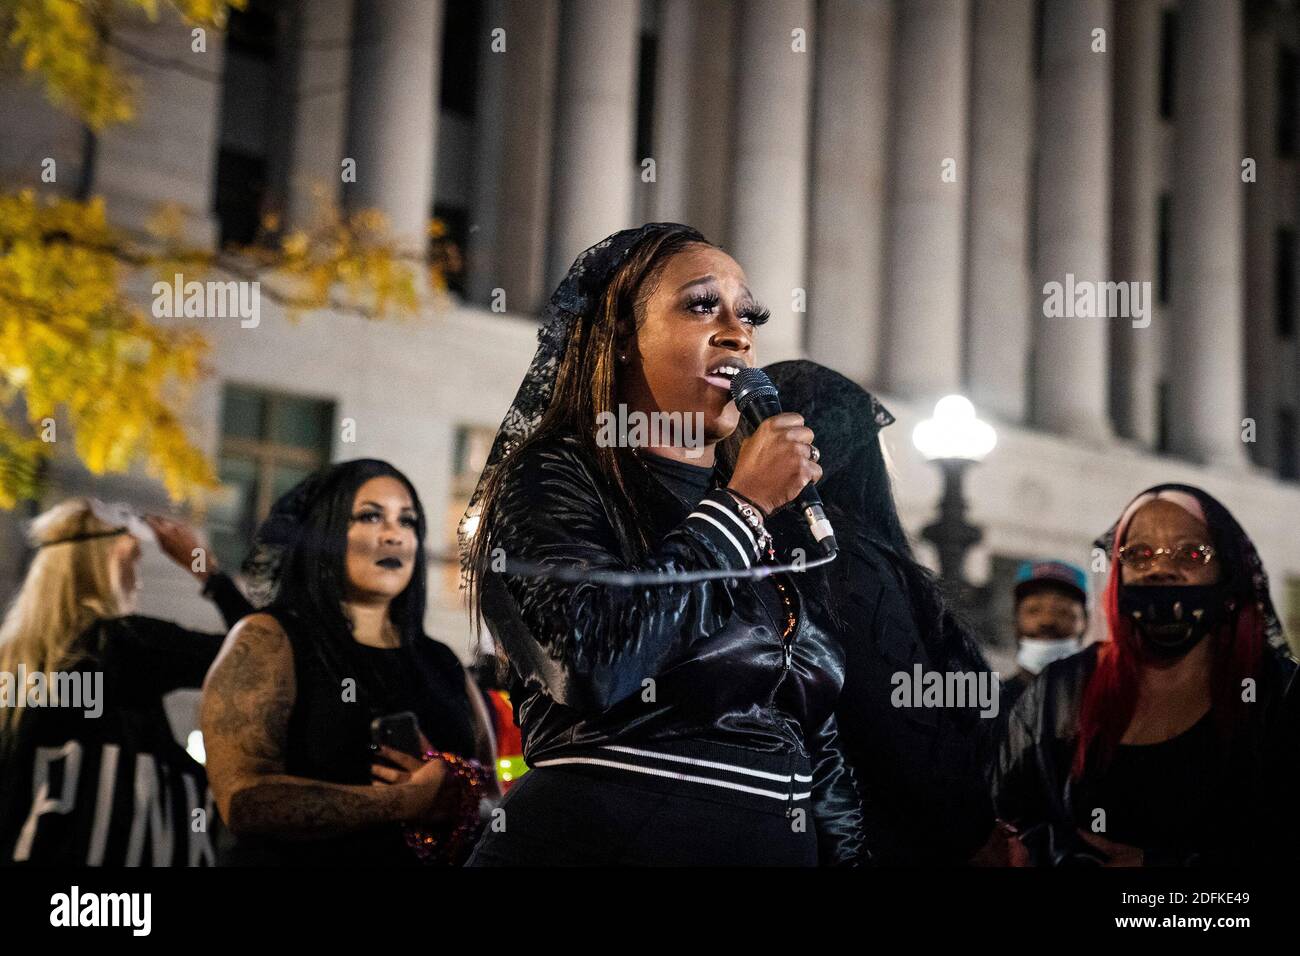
{"points": [[1034, 790], [581, 654]]}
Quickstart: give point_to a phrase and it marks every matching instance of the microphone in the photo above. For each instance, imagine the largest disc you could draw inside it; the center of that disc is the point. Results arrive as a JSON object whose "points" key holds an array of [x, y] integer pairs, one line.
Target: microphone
{"points": [[757, 398]]}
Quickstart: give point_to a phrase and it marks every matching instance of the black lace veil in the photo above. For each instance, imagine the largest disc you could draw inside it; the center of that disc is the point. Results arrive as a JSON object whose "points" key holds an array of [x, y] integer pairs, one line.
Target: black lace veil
{"points": [[575, 300]]}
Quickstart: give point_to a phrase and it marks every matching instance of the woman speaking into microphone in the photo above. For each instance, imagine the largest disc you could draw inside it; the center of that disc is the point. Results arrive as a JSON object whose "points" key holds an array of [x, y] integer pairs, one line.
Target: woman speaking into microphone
{"points": [[682, 721]]}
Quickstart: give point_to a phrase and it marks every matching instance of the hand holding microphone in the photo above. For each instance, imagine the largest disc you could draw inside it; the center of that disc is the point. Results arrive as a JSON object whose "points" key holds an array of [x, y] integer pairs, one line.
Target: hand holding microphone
{"points": [[775, 462], [778, 462]]}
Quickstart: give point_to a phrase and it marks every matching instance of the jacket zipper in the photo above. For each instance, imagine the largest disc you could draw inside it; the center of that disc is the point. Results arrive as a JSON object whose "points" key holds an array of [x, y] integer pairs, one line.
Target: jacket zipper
{"points": [[787, 652], [785, 669], [787, 661]]}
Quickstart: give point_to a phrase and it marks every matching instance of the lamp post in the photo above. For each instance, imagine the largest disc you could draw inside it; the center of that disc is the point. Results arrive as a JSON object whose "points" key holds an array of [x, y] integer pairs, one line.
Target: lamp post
{"points": [[953, 440]]}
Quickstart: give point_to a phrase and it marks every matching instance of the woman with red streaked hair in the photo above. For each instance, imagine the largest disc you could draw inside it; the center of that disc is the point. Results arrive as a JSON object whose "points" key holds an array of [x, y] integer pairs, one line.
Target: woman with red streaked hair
{"points": [[1168, 743]]}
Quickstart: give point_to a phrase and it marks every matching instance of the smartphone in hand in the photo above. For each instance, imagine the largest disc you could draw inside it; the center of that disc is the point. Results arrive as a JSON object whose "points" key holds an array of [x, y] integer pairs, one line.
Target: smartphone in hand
{"points": [[401, 731]]}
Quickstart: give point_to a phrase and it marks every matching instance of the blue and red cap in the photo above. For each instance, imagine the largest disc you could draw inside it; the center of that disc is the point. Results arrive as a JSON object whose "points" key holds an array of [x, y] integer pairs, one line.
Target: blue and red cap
{"points": [[1035, 574]]}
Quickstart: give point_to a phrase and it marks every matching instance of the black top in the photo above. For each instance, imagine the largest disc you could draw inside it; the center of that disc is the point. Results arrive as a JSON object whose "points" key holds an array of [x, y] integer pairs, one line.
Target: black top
{"points": [[688, 482], [1166, 797], [120, 789], [329, 736]]}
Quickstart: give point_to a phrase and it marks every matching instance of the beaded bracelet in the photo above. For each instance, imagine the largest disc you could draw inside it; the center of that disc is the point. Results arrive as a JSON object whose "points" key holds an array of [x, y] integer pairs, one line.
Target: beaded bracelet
{"points": [[754, 518], [450, 848], [748, 500]]}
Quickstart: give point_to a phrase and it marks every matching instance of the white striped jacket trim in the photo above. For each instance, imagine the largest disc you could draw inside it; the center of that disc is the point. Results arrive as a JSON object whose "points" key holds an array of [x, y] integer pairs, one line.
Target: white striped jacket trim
{"points": [[654, 772], [712, 764], [749, 532], [729, 536]]}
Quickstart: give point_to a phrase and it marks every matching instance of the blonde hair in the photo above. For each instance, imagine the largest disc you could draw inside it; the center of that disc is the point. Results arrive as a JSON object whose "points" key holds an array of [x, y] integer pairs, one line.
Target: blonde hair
{"points": [[69, 586]]}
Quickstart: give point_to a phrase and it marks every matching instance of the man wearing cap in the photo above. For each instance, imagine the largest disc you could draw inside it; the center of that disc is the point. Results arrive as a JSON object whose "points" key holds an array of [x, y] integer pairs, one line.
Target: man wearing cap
{"points": [[1051, 616]]}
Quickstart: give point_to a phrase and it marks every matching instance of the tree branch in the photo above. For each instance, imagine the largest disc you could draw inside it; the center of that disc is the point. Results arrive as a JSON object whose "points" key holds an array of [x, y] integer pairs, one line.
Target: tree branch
{"points": [[162, 63]]}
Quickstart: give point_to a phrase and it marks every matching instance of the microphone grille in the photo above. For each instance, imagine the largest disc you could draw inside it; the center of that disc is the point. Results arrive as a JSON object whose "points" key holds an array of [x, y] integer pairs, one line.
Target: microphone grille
{"points": [[750, 384]]}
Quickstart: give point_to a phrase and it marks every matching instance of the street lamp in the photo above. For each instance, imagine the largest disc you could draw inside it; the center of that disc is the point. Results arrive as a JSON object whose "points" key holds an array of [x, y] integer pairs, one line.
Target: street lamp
{"points": [[954, 439]]}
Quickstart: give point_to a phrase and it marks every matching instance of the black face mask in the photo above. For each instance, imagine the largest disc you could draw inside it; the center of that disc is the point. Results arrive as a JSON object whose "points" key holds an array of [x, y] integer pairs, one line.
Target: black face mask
{"points": [[1171, 619]]}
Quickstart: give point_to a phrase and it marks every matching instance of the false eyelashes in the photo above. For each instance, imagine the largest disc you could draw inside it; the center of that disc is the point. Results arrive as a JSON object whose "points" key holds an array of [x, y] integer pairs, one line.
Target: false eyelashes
{"points": [[752, 313]]}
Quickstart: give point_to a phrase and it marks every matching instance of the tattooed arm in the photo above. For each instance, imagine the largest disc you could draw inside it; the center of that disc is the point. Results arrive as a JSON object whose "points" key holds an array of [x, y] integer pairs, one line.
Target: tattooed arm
{"points": [[247, 698]]}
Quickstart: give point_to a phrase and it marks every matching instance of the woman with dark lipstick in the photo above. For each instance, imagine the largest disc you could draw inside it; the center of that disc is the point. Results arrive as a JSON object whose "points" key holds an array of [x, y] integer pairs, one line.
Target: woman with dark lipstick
{"points": [[673, 723], [288, 706]]}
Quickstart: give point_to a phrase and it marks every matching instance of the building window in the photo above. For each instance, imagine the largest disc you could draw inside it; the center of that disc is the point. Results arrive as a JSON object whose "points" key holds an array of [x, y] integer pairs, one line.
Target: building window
{"points": [[252, 31], [462, 42], [1163, 214], [1288, 445], [1168, 61], [1040, 17], [269, 442], [1288, 70], [465, 35], [247, 94], [473, 442], [645, 96], [1284, 264], [446, 249], [241, 189]]}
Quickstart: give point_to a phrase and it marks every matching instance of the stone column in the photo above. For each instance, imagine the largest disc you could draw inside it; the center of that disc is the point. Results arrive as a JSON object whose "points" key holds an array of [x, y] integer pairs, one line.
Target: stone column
{"points": [[512, 180], [1135, 189], [711, 151], [593, 165], [849, 164], [393, 113], [998, 296], [927, 185], [691, 139], [310, 109], [768, 191], [1205, 373], [1070, 383], [677, 57]]}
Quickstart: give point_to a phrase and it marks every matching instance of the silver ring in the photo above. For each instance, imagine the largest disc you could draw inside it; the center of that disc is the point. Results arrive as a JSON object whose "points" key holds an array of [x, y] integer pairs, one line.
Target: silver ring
{"points": [[814, 454]]}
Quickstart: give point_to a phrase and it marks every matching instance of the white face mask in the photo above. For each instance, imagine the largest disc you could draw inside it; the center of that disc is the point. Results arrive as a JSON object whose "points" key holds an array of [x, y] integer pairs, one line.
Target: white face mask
{"points": [[1037, 652]]}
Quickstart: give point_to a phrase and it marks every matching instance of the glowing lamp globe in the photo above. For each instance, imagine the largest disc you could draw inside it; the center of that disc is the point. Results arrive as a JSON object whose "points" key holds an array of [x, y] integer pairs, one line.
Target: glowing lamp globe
{"points": [[954, 432]]}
